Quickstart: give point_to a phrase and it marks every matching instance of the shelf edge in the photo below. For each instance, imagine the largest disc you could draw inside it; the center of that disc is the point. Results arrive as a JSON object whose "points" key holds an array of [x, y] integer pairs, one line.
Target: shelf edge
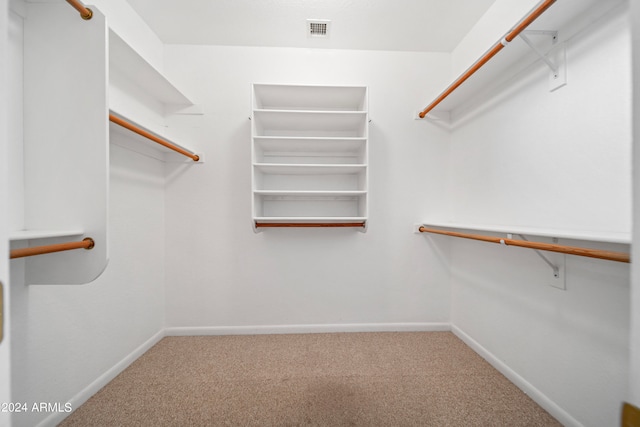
{"points": [[605, 237]]}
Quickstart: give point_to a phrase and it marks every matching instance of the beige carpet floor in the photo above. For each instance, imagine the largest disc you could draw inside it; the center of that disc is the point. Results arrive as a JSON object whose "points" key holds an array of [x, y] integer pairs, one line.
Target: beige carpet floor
{"points": [[346, 379]]}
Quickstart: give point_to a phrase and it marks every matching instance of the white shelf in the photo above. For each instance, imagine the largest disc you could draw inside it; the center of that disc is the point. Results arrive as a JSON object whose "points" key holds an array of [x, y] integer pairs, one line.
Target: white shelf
{"points": [[42, 234], [123, 59], [308, 138], [300, 219], [292, 97], [309, 154], [312, 194], [592, 236], [294, 123], [270, 149], [308, 169], [568, 17]]}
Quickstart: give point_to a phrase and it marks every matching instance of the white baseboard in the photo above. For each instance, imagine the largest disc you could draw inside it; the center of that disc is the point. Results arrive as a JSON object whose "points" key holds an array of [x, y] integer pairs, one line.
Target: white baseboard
{"points": [[56, 417], [307, 329], [540, 398]]}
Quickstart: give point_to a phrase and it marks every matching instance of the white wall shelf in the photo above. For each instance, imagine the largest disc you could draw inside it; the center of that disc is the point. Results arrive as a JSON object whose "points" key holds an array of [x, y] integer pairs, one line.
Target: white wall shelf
{"points": [[309, 169], [568, 17], [124, 60], [299, 150], [42, 234], [298, 97], [310, 123], [310, 193], [592, 236], [309, 155], [310, 219]]}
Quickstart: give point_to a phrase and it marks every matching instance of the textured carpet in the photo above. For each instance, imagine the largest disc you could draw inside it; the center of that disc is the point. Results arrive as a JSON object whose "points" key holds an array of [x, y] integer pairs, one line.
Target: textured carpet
{"points": [[350, 379]]}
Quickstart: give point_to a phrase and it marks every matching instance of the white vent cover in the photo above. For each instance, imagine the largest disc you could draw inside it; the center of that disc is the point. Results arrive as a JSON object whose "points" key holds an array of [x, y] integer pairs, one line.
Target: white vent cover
{"points": [[318, 28]]}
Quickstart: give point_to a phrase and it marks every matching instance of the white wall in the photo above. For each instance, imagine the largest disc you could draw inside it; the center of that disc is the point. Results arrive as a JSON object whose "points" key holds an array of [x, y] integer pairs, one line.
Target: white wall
{"points": [[72, 339], [5, 370], [221, 276], [634, 369], [123, 19], [556, 159], [528, 157], [72, 335], [14, 117]]}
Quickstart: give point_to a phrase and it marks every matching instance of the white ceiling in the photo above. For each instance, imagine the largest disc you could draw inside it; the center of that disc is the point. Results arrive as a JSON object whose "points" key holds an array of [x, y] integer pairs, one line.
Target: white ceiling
{"points": [[404, 25]]}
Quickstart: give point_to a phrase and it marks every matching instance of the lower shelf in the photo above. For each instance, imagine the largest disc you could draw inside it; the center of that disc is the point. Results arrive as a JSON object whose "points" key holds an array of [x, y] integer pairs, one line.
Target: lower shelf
{"points": [[310, 222]]}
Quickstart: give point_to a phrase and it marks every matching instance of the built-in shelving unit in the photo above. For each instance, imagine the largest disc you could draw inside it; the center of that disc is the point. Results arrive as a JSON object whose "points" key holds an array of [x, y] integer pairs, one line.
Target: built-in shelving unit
{"points": [[309, 156], [547, 33], [79, 75]]}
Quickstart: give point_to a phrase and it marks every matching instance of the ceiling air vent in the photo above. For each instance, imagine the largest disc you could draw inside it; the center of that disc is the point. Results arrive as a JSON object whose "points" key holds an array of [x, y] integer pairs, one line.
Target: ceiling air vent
{"points": [[318, 28]]}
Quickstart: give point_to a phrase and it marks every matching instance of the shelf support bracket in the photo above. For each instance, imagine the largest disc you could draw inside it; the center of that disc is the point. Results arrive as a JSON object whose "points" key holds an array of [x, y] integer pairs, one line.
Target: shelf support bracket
{"points": [[559, 281], [527, 40], [558, 75]]}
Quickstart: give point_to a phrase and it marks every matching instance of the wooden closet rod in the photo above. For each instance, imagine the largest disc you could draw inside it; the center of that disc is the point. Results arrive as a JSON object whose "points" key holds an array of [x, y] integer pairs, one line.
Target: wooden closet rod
{"points": [[148, 135], [85, 12], [309, 224], [487, 56], [87, 243], [571, 250]]}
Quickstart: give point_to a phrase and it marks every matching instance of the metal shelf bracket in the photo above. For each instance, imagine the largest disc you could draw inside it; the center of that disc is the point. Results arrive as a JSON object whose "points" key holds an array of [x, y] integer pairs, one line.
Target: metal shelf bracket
{"points": [[558, 75], [558, 272]]}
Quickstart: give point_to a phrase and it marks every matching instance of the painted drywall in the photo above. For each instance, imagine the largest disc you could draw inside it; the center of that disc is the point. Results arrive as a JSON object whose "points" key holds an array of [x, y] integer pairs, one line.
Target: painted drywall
{"points": [[528, 157], [15, 131], [221, 276], [634, 368], [5, 363], [72, 336], [122, 19]]}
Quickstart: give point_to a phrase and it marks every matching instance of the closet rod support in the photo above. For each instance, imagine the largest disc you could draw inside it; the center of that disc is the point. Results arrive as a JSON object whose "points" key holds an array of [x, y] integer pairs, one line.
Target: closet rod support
{"points": [[85, 12], [542, 56], [552, 33], [555, 268]]}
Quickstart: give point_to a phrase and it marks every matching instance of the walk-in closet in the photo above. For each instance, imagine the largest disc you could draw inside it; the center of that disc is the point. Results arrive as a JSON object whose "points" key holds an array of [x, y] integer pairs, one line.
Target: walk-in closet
{"points": [[321, 213]]}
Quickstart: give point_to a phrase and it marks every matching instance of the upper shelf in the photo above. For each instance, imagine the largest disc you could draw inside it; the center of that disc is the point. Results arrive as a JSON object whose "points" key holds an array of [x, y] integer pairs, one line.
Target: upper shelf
{"points": [[319, 98], [298, 123], [592, 236], [568, 17], [123, 59]]}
